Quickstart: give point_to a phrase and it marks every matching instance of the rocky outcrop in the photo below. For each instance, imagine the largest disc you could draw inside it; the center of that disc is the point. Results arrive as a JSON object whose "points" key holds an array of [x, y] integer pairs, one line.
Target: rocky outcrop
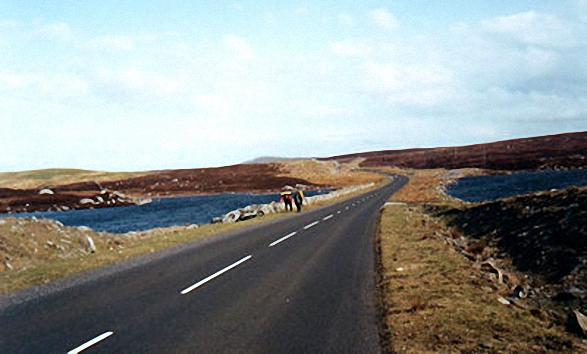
{"points": [[61, 199]]}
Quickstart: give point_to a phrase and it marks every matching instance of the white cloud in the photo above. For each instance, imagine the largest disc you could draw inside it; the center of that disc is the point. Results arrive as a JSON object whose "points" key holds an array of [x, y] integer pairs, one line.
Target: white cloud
{"points": [[383, 18], [55, 31], [210, 101], [350, 48], [10, 24], [42, 85], [132, 81], [239, 46], [345, 89], [111, 43], [319, 110], [418, 86], [270, 19], [12, 81], [582, 7], [345, 19], [302, 11], [533, 29]]}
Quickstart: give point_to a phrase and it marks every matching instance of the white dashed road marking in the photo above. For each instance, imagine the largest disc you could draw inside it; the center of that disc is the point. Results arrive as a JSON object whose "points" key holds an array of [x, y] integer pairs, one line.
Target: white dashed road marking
{"points": [[310, 225], [220, 272], [328, 217], [282, 239], [90, 343]]}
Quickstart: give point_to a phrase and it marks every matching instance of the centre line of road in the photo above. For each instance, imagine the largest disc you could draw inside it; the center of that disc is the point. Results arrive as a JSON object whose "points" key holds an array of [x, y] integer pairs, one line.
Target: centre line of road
{"points": [[327, 217], [90, 343], [310, 225], [207, 279], [282, 239]]}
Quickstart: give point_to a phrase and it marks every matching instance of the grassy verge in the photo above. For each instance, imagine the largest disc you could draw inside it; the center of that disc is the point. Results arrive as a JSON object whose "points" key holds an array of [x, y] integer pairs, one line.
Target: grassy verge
{"points": [[434, 301], [45, 251]]}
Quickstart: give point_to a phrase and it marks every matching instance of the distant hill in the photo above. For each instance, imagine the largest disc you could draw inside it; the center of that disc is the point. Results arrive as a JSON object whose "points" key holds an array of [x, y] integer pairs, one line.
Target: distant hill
{"points": [[271, 159], [562, 151]]}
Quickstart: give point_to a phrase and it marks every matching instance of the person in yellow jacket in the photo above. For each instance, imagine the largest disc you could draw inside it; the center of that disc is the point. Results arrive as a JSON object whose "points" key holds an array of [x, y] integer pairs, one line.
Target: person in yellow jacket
{"points": [[298, 199]]}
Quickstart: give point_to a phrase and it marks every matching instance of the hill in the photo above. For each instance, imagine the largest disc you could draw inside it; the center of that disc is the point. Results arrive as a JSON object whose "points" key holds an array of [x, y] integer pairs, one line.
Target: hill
{"points": [[562, 151]]}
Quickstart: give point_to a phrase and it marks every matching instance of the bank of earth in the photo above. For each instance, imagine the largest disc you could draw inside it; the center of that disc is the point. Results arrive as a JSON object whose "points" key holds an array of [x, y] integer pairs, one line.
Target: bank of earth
{"points": [[443, 290]]}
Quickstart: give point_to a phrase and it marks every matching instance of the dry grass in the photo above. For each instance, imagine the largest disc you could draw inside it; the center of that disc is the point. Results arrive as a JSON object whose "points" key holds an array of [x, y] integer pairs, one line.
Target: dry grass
{"points": [[433, 301], [54, 177], [329, 173], [34, 252]]}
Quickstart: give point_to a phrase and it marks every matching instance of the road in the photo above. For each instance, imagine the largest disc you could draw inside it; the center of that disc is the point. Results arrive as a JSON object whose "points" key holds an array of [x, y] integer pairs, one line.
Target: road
{"points": [[300, 284]]}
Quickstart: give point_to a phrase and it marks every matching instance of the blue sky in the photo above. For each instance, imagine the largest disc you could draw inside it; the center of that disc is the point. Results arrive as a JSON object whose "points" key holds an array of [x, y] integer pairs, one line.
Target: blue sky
{"points": [[145, 85]]}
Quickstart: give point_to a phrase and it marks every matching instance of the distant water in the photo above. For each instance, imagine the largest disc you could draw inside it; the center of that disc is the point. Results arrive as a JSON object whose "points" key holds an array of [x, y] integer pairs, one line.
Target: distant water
{"points": [[492, 187], [162, 212]]}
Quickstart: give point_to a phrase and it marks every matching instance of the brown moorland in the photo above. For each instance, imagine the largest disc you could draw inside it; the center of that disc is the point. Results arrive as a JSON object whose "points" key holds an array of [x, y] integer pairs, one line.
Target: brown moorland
{"points": [[251, 178], [545, 152]]}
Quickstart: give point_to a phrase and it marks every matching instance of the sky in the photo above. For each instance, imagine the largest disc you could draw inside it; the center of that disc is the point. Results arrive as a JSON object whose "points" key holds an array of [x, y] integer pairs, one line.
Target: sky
{"points": [[128, 85]]}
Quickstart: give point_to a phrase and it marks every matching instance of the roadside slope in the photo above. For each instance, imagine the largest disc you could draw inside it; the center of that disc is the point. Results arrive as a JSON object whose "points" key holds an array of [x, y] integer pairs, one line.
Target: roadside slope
{"points": [[433, 297]]}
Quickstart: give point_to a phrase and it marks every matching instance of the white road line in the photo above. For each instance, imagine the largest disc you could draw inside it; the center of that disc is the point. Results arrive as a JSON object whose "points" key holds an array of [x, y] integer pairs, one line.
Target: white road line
{"points": [[203, 281], [338, 212], [90, 343], [328, 217], [310, 225], [282, 239]]}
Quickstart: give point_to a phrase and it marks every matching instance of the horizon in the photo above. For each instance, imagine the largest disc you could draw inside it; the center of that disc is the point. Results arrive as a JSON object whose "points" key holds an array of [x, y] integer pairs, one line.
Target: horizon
{"points": [[145, 86], [292, 158]]}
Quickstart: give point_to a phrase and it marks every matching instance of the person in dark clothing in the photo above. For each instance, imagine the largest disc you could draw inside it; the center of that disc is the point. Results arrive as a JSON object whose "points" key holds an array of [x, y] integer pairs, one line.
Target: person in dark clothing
{"points": [[298, 199], [287, 200]]}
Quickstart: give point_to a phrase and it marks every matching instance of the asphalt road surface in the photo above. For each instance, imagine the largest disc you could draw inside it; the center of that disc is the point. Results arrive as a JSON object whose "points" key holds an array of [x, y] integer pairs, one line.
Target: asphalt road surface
{"points": [[300, 284]]}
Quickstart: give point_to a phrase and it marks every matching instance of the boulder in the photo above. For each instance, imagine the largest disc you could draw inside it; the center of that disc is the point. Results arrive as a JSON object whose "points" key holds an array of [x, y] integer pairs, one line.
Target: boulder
{"points": [[88, 201], [89, 245], [232, 216]]}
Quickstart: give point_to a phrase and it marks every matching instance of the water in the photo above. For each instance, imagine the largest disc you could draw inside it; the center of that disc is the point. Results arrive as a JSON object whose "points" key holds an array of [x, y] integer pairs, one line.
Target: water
{"points": [[492, 187], [162, 212]]}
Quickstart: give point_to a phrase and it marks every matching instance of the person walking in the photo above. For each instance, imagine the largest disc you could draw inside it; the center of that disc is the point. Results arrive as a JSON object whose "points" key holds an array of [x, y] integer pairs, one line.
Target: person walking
{"points": [[287, 200], [298, 199]]}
